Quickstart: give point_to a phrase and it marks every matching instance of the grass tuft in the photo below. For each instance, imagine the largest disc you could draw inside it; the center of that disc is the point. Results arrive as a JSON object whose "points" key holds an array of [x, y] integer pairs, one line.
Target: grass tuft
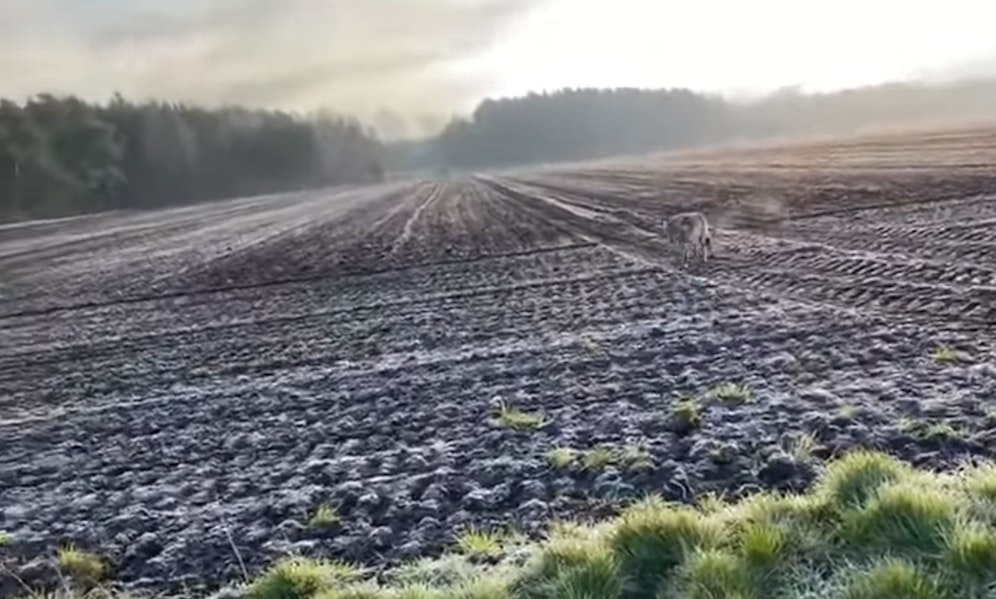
{"points": [[971, 551], [801, 447], [636, 458], [589, 344], [652, 537], [685, 416], [905, 517], [981, 482], [479, 543], [446, 570], [326, 516], [801, 520], [892, 578], [599, 458], [514, 418], [946, 355], [561, 458], [762, 544], [301, 578], [596, 577], [364, 591], [715, 574], [82, 566], [853, 479], [419, 592], [575, 561], [4, 538], [937, 432], [847, 411], [481, 588], [941, 431], [730, 393]]}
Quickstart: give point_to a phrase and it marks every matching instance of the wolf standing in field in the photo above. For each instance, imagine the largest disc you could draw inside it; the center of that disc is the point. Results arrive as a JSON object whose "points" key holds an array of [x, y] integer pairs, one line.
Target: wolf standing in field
{"points": [[691, 231]]}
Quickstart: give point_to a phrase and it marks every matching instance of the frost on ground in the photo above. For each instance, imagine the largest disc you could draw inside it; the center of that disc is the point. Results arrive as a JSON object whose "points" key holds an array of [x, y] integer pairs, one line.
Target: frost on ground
{"points": [[179, 385]]}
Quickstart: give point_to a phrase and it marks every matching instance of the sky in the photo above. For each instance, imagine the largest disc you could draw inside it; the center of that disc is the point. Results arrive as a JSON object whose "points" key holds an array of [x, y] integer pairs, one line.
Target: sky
{"points": [[411, 64]]}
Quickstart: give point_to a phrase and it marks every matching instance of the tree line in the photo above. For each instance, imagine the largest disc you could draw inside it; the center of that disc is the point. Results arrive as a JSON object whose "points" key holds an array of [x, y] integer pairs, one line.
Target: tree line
{"points": [[573, 124], [580, 123], [61, 156]]}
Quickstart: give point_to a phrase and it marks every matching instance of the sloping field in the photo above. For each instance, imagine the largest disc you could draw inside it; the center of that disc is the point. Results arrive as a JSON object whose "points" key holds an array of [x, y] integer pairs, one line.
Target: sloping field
{"points": [[182, 390]]}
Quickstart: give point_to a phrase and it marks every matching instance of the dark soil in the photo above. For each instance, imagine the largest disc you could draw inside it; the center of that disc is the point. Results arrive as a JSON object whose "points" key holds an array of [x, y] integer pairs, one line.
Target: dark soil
{"points": [[183, 388]]}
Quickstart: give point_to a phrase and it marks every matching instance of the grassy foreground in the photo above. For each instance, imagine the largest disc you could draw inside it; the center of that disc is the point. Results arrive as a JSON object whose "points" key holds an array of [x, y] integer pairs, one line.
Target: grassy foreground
{"points": [[871, 528]]}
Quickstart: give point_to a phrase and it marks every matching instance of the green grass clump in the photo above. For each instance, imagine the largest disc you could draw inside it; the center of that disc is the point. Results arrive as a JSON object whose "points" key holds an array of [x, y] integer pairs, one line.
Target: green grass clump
{"points": [[802, 447], [635, 458], [762, 545], [561, 458], [479, 543], [301, 578], [326, 516], [652, 537], [84, 567], [685, 416], [716, 573], [4, 538], [363, 591], [599, 458], [945, 355], [419, 592], [597, 577], [981, 482], [937, 432], [771, 527], [902, 517], [730, 393], [847, 411], [856, 477], [514, 418], [485, 587], [575, 561], [971, 551], [892, 579], [447, 570], [941, 431]]}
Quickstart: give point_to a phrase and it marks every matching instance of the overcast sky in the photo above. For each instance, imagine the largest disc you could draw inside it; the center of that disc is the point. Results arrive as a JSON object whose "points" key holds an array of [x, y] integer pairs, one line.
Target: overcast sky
{"points": [[419, 57]]}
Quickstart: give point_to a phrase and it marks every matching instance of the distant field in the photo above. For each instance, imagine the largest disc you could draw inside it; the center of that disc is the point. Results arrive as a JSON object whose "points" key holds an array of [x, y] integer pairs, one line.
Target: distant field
{"points": [[175, 382]]}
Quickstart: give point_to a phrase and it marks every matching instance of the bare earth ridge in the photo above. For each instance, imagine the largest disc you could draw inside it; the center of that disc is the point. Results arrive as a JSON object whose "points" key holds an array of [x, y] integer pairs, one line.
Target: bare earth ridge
{"points": [[176, 382]]}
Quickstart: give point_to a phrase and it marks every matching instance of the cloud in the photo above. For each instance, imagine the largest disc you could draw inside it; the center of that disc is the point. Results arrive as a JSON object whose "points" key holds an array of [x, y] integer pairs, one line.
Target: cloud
{"points": [[353, 56]]}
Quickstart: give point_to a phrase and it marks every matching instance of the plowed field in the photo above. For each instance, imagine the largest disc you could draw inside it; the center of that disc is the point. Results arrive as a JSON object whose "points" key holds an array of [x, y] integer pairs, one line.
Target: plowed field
{"points": [[182, 384]]}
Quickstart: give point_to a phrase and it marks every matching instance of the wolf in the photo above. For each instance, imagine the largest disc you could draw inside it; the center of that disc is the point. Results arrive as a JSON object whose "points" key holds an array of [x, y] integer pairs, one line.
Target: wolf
{"points": [[690, 231]]}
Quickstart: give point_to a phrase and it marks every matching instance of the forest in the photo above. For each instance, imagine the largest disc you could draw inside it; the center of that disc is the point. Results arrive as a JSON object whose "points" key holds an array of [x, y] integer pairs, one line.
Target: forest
{"points": [[574, 124], [61, 155]]}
